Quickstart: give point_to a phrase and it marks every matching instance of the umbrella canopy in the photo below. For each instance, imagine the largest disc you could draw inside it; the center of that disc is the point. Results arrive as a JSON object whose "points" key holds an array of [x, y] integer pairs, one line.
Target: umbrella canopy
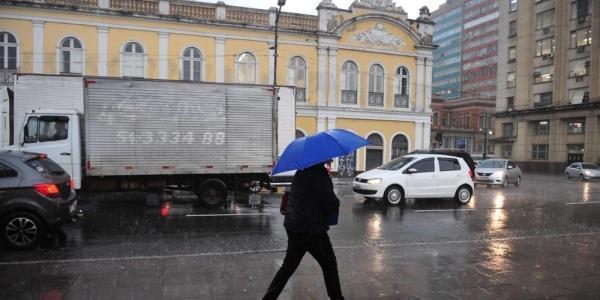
{"points": [[313, 149]]}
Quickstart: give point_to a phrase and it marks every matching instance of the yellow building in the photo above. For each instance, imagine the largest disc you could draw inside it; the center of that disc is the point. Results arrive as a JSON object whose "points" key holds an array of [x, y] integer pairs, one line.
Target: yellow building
{"points": [[366, 69]]}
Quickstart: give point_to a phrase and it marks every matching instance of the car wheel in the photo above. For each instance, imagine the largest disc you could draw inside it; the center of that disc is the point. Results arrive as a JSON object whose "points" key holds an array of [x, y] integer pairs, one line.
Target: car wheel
{"points": [[22, 230], [581, 177], [518, 182], [567, 175], [394, 195], [505, 182], [463, 195]]}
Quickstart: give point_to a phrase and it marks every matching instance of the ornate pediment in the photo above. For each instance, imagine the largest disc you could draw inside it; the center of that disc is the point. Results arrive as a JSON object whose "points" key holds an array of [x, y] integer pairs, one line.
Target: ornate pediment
{"points": [[379, 36], [379, 4]]}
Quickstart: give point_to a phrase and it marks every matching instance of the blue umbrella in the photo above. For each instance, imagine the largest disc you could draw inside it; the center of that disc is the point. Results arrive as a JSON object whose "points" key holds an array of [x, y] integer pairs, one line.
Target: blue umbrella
{"points": [[313, 149]]}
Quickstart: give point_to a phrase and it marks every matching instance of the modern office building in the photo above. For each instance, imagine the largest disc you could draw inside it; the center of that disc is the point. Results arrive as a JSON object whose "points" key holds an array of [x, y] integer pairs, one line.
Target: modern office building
{"points": [[447, 57], [548, 106]]}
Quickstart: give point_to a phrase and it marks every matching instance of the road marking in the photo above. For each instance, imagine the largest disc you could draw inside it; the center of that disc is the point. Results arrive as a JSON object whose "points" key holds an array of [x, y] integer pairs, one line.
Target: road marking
{"points": [[580, 203], [230, 215], [442, 210], [280, 250]]}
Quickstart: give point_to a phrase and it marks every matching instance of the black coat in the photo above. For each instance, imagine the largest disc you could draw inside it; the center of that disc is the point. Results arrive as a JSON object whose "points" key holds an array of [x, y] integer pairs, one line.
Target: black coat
{"points": [[310, 200]]}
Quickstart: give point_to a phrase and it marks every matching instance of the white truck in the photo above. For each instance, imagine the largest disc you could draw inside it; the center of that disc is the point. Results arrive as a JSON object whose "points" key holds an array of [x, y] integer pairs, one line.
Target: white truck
{"points": [[138, 134]]}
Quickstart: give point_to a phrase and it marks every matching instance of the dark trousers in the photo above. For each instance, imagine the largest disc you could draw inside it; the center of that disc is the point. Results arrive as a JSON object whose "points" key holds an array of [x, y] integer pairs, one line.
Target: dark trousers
{"points": [[319, 246]]}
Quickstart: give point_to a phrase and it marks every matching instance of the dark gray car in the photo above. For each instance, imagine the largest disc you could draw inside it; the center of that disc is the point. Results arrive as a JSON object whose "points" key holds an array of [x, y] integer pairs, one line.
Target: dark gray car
{"points": [[36, 195]]}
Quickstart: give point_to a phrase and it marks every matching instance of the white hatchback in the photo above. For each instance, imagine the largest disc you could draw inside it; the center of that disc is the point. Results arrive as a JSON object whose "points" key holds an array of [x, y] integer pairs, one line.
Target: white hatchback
{"points": [[417, 176]]}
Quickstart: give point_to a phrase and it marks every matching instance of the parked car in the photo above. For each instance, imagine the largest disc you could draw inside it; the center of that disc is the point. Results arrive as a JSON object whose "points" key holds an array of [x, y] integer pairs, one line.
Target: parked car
{"points": [[583, 171], [498, 172], [417, 176], [36, 195]]}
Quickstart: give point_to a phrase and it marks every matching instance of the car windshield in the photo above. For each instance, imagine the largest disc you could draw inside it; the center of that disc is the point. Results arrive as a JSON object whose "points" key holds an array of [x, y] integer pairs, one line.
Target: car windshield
{"points": [[45, 166], [397, 163], [589, 166], [492, 164]]}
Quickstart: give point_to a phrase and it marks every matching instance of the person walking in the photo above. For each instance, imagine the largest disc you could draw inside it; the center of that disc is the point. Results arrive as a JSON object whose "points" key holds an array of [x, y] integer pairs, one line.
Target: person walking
{"points": [[308, 214]]}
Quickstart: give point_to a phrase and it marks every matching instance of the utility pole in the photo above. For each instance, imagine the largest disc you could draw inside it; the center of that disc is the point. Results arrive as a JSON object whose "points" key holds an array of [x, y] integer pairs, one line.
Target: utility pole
{"points": [[280, 3], [485, 134]]}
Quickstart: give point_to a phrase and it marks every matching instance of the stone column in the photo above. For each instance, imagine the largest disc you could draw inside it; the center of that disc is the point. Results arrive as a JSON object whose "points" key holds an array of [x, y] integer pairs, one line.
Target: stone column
{"points": [[220, 59], [420, 83], [163, 55], [595, 53], [592, 140], [332, 87], [102, 51], [322, 75], [38, 46], [321, 121], [418, 135], [427, 135], [428, 84]]}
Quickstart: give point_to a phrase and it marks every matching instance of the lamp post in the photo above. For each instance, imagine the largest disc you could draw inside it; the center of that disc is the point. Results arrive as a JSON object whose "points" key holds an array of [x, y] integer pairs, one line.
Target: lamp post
{"points": [[280, 3], [486, 131]]}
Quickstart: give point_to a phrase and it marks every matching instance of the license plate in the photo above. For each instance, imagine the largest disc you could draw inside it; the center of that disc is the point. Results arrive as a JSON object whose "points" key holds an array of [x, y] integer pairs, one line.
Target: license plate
{"points": [[73, 207]]}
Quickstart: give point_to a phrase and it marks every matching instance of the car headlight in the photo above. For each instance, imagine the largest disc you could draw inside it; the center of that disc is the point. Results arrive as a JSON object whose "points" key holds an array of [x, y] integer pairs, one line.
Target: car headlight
{"points": [[499, 173], [586, 172], [374, 181]]}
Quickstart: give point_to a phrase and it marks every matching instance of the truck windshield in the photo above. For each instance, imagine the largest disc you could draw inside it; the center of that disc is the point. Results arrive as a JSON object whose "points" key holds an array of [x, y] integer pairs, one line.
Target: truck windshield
{"points": [[397, 164], [46, 166]]}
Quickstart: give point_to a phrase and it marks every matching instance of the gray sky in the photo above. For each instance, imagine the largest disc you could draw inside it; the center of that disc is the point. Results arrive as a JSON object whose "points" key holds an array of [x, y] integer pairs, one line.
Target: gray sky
{"points": [[308, 6]]}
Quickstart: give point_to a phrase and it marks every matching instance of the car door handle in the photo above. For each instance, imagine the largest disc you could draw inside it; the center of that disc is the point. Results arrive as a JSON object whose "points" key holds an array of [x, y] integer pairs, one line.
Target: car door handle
{"points": [[65, 153]]}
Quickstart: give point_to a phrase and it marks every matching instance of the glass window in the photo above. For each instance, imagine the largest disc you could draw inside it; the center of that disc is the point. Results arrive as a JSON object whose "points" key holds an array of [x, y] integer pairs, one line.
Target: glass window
{"points": [[45, 166], [71, 56], [512, 54], [396, 164], [575, 127], [507, 129], [543, 74], [31, 130], [512, 29], [46, 129], [246, 68], [545, 19], [8, 51], [578, 96], [299, 134], [581, 37], [510, 80], [349, 83], [589, 166], [542, 100], [401, 94], [7, 172], [513, 5], [376, 80], [426, 165], [580, 9], [399, 146], [539, 152], [506, 151], [541, 127], [192, 64], [133, 60], [544, 47], [579, 67], [448, 164], [510, 103], [297, 77]]}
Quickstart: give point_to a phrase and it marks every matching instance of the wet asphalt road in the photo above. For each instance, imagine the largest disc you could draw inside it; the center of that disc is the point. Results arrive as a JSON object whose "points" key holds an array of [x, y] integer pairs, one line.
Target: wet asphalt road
{"points": [[540, 240]]}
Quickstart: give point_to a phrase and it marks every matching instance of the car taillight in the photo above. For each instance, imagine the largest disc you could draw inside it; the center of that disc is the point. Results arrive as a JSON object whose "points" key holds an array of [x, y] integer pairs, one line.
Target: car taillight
{"points": [[72, 184], [47, 189], [470, 173]]}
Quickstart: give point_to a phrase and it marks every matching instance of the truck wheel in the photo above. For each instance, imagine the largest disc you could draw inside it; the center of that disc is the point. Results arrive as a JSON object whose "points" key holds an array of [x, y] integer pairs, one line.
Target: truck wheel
{"points": [[213, 193], [256, 186], [22, 230]]}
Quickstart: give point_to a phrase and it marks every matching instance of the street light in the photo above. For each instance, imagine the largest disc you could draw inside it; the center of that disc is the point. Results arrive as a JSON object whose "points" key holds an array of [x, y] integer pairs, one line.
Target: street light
{"points": [[280, 3]]}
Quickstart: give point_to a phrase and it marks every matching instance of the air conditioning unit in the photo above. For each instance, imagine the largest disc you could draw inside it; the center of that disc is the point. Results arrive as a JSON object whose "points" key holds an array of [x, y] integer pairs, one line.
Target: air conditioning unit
{"points": [[580, 49], [587, 64], [512, 34], [581, 19], [512, 60], [509, 109], [537, 74], [545, 56], [546, 30], [579, 78]]}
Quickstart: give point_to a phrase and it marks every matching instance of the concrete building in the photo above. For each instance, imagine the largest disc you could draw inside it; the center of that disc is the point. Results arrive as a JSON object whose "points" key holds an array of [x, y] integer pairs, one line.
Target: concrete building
{"points": [[447, 57], [461, 124], [366, 68], [549, 83]]}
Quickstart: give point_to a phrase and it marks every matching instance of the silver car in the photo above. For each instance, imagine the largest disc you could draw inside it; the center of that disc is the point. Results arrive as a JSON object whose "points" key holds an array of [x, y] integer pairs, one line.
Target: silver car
{"points": [[498, 172], [583, 171]]}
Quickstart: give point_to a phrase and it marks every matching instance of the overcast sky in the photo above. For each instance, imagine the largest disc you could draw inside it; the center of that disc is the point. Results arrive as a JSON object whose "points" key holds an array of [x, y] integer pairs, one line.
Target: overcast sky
{"points": [[309, 6]]}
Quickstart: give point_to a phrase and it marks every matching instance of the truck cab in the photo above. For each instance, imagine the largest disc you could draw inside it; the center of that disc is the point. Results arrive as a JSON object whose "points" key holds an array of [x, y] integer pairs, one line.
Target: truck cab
{"points": [[57, 134]]}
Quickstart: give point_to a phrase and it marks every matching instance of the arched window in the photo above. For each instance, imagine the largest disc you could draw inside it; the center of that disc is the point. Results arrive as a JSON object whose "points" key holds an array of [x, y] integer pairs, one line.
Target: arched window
{"points": [[399, 146], [299, 134], [401, 93], [8, 51], [374, 151], [297, 77], [246, 68], [376, 78], [133, 60], [349, 83], [191, 61], [71, 56]]}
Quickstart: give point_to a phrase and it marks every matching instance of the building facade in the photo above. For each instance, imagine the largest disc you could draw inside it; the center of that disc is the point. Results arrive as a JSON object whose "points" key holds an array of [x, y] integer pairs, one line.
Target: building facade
{"points": [[548, 108], [462, 124], [366, 68], [447, 72]]}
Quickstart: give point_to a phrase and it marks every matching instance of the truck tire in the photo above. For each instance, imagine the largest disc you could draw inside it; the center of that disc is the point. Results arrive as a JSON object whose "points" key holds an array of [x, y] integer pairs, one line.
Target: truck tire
{"points": [[212, 193]]}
